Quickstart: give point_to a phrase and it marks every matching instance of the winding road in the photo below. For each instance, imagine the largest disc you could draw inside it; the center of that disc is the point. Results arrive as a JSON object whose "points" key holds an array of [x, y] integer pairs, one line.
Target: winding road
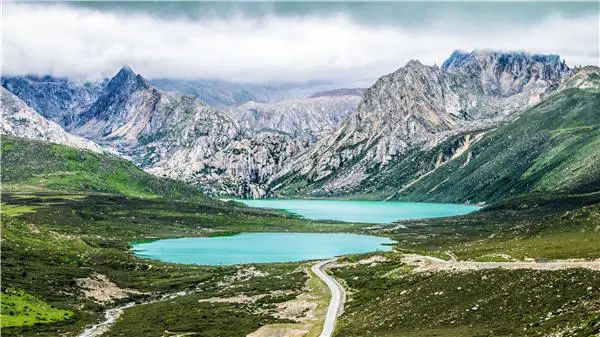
{"points": [[338, 296]]}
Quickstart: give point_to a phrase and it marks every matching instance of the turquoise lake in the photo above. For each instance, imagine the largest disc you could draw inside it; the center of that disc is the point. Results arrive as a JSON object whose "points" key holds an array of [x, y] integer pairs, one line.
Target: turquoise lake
{"points": [[362, 211], [260, 248]]}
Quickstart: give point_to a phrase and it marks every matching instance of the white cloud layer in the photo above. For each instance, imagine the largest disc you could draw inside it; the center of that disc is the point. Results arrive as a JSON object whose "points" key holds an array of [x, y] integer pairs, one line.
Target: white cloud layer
{"points": [[83, 43]]}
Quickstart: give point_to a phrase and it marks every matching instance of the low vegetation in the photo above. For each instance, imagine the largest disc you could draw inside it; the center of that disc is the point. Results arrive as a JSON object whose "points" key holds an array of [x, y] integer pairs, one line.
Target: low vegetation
{"points": [[387, 299], [51, 242], [536, 227], [57, 232], [35, 165], [22, 309]]}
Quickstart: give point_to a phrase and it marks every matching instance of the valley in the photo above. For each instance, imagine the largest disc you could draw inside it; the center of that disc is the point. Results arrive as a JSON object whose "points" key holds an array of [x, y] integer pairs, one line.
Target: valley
{"points": [[98, 179]]}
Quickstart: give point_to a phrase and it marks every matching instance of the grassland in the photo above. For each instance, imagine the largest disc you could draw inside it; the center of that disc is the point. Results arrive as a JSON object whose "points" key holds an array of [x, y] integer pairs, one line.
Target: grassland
{"points": [[69, 215], [387, 299], [539, 227], [56, 232], [22, 309], [50, 241], [390, 299]]}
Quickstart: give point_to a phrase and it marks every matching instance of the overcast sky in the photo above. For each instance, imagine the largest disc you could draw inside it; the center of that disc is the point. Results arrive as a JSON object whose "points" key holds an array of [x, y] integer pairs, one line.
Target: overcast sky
{"points": [[343, 42]]}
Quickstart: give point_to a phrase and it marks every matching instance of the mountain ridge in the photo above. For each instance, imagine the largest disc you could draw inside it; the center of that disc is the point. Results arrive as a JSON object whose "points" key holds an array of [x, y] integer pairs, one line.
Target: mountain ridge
{"points": [[418, 106]]}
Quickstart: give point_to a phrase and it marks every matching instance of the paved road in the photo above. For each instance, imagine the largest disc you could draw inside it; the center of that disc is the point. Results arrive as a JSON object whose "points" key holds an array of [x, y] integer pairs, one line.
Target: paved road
{"points": [[338, 295]]}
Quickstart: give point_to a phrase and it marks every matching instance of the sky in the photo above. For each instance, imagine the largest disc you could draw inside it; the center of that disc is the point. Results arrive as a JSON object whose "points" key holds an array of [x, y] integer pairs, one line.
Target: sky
{"points": [[282, 42]]}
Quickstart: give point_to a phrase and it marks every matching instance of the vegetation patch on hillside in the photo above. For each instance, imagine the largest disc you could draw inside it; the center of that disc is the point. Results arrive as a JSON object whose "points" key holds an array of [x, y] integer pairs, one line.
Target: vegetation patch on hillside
{"points": [[387, 299], [22, 309]]}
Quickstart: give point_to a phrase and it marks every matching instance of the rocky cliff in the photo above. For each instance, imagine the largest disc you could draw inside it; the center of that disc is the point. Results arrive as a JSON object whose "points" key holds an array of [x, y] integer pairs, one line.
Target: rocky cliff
{"points": [[20, 120], [307, 118], [57, 99], [419, 106]]}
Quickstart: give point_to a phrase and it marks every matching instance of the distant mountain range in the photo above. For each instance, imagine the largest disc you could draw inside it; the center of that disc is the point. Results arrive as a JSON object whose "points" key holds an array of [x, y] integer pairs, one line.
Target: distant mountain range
{"points": [[230, 151], [222, 94], [19, 119], [421, 133]]}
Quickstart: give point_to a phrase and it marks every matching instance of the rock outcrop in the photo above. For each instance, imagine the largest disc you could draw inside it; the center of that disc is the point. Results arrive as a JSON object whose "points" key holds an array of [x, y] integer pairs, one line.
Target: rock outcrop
{"points": [[419, 106]]}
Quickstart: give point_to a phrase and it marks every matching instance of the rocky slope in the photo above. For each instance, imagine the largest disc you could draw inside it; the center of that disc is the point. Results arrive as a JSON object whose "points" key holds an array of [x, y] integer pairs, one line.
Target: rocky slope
{"points": [[18, 119], [57, 99], [180, 137], [418, 107], [308, 118], [552, 147]]}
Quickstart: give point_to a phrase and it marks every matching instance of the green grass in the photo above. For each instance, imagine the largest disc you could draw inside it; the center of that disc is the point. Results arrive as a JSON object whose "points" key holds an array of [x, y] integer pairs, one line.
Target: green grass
{"points": [[387, 300], [35, 165], [552, 147], [22, 309], [16, 210], [51, 239], [537, 226]]}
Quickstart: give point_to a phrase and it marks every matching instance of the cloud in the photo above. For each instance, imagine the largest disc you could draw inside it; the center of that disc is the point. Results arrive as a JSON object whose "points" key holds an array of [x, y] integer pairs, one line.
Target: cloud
{"points": [[86, 43]]}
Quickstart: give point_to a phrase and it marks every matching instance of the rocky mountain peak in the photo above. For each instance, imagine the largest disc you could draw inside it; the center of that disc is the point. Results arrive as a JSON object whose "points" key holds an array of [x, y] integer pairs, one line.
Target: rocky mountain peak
{"points": [[126, 78], [587, 77], [55, 98], [418, 106], [507, 73]]}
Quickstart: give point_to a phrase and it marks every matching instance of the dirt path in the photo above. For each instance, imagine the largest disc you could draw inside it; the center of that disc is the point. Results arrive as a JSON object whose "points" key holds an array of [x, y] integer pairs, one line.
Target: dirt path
{"points": [[429, 263], [338, 295]]}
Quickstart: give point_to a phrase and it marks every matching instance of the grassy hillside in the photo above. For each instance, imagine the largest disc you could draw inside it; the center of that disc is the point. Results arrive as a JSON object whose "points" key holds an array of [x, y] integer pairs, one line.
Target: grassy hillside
{"points": [[69, 215], [387, 299], [552, 147], [34, 165]]}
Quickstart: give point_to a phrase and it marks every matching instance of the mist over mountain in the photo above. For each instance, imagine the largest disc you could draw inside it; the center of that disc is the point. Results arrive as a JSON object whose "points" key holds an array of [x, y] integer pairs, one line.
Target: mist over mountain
{"points": [[333, 142]]}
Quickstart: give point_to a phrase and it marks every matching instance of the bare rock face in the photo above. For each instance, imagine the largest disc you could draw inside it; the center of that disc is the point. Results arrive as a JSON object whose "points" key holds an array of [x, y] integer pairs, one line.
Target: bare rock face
{"points": [[241, 168], [20, 120], [419, 106], [57, 99], [333, 143], [182, 138], [306, 118]]}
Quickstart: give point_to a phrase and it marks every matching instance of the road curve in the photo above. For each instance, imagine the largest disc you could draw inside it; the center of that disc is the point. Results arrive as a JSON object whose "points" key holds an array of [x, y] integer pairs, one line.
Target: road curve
{"points": [[338, 296]]}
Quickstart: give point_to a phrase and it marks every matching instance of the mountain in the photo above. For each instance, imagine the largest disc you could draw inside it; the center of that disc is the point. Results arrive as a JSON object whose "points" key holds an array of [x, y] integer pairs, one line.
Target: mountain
{"points": [[57, 99], [553, 147], [31, 163], [180, 137], [222, 94], [241, 168], [18, 119], [307, 118], [418, 107]]}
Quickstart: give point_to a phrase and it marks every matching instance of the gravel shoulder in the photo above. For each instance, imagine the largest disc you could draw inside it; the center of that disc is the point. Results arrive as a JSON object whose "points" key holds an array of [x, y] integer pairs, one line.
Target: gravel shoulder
{"points": [[428, 263]]}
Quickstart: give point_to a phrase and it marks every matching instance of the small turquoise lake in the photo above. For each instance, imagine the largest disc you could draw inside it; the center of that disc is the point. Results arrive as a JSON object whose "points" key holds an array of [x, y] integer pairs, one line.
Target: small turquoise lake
{"points": [[260, 248], [379, 212]]}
